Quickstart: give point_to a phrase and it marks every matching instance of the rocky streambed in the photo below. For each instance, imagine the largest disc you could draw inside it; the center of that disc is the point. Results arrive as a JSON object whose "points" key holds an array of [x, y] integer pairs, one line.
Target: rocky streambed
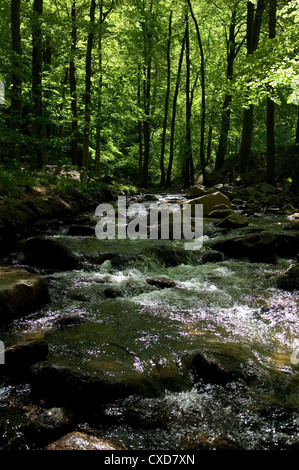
{"points": [[140, 344]]}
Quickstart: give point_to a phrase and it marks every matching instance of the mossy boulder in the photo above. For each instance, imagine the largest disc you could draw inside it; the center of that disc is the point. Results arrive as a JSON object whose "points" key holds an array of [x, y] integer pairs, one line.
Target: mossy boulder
{"points": [[45, 252], [233, 220], [209, 201], [290, 279], [20, 292]]}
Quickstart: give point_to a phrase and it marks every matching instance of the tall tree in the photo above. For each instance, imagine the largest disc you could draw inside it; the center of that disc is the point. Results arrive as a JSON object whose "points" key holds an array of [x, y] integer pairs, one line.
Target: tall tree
{"points": [[87, 94], [232, 49], [16, 95], [270, 176], [38, 126], [73, 88], [174, 110], [162, 183], [203, 95], [254, 22], [189, 169]]}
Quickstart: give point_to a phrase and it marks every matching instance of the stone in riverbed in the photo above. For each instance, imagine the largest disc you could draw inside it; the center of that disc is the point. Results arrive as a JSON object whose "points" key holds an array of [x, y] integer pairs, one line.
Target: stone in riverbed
{"points": [[198, 191], [233, 220], [20, 292], [290, 279], [209, 201], [81, 231], [45, 252], [48, 425], [161, 283], [20, 357], [80, 441], [220, 213]]}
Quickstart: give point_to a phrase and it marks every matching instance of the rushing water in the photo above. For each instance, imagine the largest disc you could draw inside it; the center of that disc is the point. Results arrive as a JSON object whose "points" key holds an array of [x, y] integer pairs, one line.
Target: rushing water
{"points": [[230, 308]]}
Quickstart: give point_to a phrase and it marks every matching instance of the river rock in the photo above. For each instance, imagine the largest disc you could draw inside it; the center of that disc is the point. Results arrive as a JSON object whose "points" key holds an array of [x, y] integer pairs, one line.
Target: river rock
{"points": [[20, 357], [198, 191], [257, 247], [81, 231], [220, 213], [161, 283], [211, 371], [46, 252], [294, 217], [20, 292], [48, 425], [80, 441], [209, 201], [62, 385], [290, 279], [233, 220], [274, 200]]}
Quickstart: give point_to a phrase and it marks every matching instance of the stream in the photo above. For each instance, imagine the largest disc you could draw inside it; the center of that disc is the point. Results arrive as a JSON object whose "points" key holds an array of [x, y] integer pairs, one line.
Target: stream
{"points": [[229, 309]]}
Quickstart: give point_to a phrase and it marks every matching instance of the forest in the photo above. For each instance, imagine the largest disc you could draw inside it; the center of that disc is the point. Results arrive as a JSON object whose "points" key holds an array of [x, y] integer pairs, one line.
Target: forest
{"points": [[114, 113], [149, 93]]}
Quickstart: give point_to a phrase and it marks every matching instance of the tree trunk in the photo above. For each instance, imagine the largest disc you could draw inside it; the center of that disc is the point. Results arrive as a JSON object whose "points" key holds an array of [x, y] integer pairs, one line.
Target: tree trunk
{"points": [[162, 183], [140, 142], [297, 129], [226, 111], [254, 21], [87, 95], [146, 123], [209, 147], [64, 84], [270, 175], [189, 171], [16, 95], [203, 96], [38, 129], [174, 107], [99, 110], [73, 89]]}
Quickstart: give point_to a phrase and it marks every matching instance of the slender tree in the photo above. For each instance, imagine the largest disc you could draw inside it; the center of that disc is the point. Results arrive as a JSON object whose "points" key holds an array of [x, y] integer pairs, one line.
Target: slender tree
{"points": [[38, 127], [73, 88], [174, 109], [17, 73], [270, 176], [87, 94], [254, 22], [203, 95], [189, 169], [162, 183]]}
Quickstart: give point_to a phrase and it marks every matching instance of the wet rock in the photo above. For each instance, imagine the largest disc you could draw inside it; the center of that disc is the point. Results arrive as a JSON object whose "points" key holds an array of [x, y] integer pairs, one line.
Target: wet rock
{"points": [[45, 252], [220, 213], [48, 425], [212, 256], [201, 441], [161, 283], [80, 441], [289, 209], [81, 231], [274, 200], [257, 247], [20, 357], [294, 217], [20, 292], [63, 385], [69, 321], [233, 220], [209, 201], [211, 371], [290, 279], [112, 292], [198, 191]]}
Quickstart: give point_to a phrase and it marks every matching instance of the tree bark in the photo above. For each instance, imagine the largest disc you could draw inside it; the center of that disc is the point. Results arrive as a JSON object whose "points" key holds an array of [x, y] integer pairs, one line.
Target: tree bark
{"points": [[189, 170], [162, 182], [297, 129], [203, 96], [16, 95], [73, 89], [38, 128], [140, 140], [87, 95], [271, 171], [226, 111], [174, 107], [254, 21]]}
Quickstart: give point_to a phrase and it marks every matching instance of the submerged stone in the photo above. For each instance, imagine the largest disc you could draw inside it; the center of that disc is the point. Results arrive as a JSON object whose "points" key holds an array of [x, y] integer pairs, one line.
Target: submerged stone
{"points": [[20, 357]]}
